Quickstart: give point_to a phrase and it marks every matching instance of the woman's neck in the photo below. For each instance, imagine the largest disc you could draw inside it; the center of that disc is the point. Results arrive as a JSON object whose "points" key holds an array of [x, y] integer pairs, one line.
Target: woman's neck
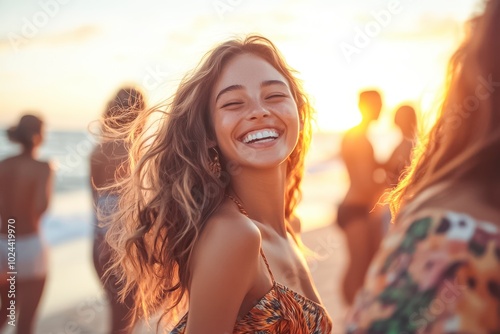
{"points": [[28, 152], [262, 195]]}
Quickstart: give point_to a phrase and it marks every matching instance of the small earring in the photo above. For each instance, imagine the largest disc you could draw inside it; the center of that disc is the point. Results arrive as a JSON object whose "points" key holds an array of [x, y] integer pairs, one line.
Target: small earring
{"points": [[214, 165]]}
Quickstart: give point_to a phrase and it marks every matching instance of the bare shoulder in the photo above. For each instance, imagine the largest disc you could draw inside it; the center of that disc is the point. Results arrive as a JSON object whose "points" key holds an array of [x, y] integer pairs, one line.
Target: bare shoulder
{"points": [[350, 136], [7, 167], [355, 138], [45, 168], [6, 162], [44, 165], [225, 268], [3, 168], [228, 234], [231, 227], [17, 169]]}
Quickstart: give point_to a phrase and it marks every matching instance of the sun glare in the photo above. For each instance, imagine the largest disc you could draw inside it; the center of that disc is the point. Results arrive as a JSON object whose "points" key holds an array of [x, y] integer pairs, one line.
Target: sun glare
{"points": [[336, 118], [87, 63]]}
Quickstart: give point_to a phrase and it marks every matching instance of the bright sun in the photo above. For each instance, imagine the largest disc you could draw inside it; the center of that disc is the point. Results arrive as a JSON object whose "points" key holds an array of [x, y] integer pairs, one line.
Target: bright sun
{"points": [[335, 112]]}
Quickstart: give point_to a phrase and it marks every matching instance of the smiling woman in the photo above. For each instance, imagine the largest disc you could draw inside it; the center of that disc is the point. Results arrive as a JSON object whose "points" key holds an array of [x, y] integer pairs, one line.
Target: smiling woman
{"points": [[256, 118], [204, 214]]}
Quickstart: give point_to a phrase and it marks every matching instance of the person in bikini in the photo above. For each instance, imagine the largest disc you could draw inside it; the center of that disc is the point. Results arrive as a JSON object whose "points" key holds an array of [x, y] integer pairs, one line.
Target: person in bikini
{"points": [[204, 230], [25, 192], [362, 231]]}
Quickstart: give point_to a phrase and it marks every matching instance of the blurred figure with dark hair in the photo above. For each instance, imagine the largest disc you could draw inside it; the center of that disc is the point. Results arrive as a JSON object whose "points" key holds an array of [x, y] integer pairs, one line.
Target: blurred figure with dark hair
{"points": [[105, 171], [25, 192], [406, 120], [362, 234], [438, 270], [122, 110]]}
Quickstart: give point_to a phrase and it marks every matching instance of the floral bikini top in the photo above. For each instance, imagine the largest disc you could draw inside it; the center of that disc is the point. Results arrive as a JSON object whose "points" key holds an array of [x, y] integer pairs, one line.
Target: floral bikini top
{"points": [[281, 310]]}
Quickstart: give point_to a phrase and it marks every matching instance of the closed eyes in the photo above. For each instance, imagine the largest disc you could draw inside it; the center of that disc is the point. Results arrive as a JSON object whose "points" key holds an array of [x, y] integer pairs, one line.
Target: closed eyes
{"points": [[231, 104], [235, 104], [275, 96]]}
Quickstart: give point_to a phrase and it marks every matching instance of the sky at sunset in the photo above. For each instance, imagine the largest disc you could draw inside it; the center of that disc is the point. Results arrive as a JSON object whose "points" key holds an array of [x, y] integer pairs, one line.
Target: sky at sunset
{"points": [[65, 59]]}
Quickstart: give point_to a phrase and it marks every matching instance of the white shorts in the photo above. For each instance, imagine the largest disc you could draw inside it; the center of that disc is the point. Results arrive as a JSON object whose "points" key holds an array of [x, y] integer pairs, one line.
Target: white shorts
{"points": [[29, 259]]}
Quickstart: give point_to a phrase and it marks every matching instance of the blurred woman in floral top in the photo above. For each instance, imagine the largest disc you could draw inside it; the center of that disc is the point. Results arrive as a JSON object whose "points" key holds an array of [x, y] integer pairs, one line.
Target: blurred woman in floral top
{"points": [[438, 270]]}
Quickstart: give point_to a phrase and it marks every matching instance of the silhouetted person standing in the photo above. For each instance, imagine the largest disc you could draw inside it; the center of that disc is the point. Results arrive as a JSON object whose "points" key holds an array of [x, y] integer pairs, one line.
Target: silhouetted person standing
{"points": [[362, 234], [25, 191], [406, 120], [394, 168]]}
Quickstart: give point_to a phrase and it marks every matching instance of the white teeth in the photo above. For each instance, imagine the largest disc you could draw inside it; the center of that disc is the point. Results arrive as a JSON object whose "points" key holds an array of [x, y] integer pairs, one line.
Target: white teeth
{"points": [[267, 134]]}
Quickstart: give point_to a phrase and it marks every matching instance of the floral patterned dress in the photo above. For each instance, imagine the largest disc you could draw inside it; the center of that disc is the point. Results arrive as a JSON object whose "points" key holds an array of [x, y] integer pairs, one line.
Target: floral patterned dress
{"points": [[438, 273]]}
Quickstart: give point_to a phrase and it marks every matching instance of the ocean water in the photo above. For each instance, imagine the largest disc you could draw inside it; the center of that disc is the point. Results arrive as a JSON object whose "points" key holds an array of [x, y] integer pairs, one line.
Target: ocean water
{"points": [[70, 214]]}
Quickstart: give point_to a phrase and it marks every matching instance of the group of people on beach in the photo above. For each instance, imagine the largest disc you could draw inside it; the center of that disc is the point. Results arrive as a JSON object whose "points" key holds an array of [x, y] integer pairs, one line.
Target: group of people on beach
{"points": [[359, 215], [194, 209]]}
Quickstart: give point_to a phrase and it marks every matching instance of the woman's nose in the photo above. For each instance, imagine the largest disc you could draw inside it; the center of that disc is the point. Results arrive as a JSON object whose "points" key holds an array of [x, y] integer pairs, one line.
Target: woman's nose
{"points": [[258, 111]]}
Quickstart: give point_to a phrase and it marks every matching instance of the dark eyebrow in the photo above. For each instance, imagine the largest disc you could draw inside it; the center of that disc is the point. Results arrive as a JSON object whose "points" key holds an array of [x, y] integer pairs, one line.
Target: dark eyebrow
{"points": [[228, 89], [273, 82]]}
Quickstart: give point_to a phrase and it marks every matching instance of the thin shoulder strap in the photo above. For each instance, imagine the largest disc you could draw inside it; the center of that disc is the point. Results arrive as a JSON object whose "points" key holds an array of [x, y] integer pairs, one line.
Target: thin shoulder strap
{"points": [[267, 265], [243, 211]]}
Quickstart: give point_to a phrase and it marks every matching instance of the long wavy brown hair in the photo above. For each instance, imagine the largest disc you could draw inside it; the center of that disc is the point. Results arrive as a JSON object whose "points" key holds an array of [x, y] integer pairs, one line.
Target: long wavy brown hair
{"points": [[171, 191], [464, 143]]}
